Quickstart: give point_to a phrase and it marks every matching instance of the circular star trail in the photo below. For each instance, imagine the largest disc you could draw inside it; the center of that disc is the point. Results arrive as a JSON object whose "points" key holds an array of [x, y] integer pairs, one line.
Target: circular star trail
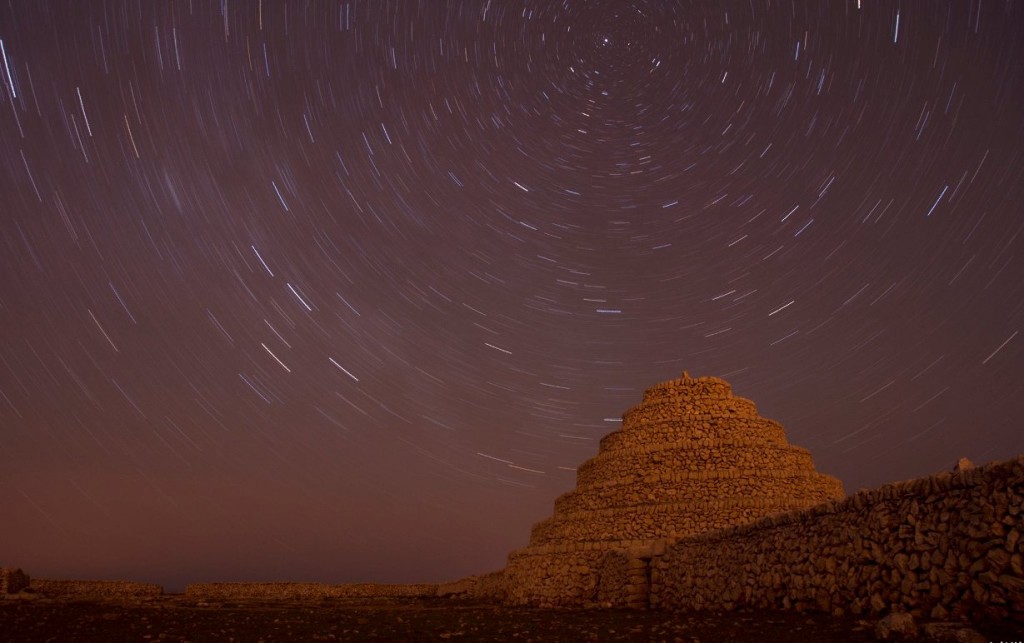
{"points": [[346, 291]]}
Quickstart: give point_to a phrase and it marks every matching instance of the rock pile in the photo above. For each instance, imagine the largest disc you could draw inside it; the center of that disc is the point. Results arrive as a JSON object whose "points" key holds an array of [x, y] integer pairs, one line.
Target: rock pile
{"points": [[691, 457]]}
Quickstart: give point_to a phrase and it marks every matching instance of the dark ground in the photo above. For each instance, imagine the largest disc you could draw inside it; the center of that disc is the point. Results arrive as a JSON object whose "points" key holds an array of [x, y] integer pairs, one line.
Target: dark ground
{"points": [[175, 618]]}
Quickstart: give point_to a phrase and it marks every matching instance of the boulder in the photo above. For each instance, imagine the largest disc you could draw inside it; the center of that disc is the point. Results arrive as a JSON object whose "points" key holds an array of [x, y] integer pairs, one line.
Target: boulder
{"points": [[951, 633], [895, 626]]}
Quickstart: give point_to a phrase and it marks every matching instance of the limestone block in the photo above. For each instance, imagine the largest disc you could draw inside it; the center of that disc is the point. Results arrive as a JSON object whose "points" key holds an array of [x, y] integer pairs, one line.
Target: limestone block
{"points": [[895, 625]]}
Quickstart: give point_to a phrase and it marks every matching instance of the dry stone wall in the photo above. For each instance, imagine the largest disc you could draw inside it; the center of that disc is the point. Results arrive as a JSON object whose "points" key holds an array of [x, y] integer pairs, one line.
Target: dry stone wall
{"points": [[306, 591], [689, 458], [947, 546], [94, 588], [490, 587], [624, 581]]}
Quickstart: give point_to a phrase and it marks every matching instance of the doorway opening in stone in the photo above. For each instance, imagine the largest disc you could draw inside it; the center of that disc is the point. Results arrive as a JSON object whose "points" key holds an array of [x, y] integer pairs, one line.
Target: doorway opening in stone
{"points": [[638, 588], [645, 597]]}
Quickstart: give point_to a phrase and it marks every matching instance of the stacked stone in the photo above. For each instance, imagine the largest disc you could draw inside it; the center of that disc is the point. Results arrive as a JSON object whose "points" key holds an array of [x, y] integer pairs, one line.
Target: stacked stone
{"points": [[946, 546], [490, 587], [307, 591], [623, 581], [12, 580], [691, 457], [94, 588]]}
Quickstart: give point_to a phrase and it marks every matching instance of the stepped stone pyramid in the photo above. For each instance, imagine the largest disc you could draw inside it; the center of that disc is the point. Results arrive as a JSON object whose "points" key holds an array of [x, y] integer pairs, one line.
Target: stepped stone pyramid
{"points": [[690, 458]]}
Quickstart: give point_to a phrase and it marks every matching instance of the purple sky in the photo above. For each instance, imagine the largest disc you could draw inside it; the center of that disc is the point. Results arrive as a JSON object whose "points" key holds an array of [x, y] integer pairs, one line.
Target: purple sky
{"points": [[345, 291]]}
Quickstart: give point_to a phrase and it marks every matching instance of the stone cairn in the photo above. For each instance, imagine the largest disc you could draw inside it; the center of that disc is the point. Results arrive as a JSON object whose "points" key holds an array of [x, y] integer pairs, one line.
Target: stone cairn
{"points": [[690, 458]]}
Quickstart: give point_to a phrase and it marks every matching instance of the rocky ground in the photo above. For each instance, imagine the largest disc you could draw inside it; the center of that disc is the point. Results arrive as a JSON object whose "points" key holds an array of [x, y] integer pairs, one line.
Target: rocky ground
{"points": [[175, 618]]}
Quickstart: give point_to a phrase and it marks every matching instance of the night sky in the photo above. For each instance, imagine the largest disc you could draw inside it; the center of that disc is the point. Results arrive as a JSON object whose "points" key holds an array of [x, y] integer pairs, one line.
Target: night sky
{"points": [[344, 291]]}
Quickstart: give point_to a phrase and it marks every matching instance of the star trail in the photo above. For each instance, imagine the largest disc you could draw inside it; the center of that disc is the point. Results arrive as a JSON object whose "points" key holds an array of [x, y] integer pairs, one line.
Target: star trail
{"points": [[345, 291]]}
